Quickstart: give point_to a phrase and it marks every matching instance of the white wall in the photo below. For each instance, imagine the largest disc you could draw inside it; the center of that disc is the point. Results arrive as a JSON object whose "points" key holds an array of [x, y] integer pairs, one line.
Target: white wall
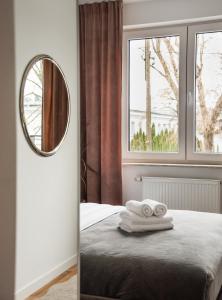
{"points": [[47, 188], [7, 151], [156, 11], [169, 10]]}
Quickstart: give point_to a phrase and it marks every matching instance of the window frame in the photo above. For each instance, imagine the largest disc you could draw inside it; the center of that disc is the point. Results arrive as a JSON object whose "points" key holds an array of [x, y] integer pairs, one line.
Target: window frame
{"points": [[154, 156], [194, 29]]}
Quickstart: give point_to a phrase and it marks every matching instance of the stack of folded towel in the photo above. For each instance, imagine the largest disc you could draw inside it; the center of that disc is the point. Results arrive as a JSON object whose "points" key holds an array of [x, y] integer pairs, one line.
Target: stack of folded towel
{"points": [[146, 215]]}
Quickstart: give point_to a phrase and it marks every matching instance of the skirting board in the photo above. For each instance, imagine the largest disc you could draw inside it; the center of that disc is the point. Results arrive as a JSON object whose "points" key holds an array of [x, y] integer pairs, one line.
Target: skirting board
{"points": [[42, 280]]}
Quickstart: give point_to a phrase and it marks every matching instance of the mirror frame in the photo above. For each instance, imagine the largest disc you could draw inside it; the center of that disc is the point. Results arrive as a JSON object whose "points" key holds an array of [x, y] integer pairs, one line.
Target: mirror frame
{"points": [[21, 105]]}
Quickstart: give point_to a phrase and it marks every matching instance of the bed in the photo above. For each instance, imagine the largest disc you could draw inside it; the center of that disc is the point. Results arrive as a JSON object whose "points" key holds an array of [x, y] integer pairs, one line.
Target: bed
{"points": [[180, 264]]}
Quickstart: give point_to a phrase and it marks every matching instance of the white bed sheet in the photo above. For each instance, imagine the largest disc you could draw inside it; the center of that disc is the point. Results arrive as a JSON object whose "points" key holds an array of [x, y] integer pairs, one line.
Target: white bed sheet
{"points": [[92, 213]]}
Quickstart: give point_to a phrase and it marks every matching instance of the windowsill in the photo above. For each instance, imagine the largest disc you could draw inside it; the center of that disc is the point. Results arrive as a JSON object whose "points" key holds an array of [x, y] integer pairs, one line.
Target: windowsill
{"points": [[164, 164]]}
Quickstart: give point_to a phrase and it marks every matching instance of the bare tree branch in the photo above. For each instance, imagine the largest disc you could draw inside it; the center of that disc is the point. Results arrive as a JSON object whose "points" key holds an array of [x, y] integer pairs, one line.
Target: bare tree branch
{"points": [[172, 51], [166, 69], [216, 111], [161, 73], [35, 83], [38, 72], [202, 96]]}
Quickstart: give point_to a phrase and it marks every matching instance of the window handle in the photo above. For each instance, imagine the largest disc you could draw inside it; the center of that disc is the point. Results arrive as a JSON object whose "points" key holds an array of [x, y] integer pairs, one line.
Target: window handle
{"points": [[190, 98]]}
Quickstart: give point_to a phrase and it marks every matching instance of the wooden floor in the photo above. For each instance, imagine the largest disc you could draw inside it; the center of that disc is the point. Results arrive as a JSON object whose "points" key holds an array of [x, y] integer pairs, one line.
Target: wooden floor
{"points": [[61, 278]]}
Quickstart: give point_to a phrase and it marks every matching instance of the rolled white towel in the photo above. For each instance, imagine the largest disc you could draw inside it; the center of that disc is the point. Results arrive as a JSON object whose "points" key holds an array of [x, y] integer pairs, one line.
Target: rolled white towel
{"points": [[129, 217], [140, 208], [143, 228], [159, 209]]}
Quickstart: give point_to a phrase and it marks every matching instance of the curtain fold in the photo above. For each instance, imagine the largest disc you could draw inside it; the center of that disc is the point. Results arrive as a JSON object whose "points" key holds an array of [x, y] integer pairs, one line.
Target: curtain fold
{"points": [[54, 106], [100, 87]]}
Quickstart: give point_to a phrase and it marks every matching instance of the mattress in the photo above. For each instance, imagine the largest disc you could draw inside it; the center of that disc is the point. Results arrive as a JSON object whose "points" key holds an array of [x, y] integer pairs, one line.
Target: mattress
{"points": [[179, 264]]}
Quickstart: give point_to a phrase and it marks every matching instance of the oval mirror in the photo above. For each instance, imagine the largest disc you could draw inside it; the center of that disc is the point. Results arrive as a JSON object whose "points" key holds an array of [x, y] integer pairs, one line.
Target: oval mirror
{"points": [[44, 105]]}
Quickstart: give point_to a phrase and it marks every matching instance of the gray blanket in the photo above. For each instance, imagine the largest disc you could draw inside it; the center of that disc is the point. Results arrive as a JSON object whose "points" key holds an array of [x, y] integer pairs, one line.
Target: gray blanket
{"points": [[180, 264]]}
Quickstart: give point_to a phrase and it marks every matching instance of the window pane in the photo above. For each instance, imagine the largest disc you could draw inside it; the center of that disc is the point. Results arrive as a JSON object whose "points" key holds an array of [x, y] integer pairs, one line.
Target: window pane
{"points": [[154, 94], [208, 92]]}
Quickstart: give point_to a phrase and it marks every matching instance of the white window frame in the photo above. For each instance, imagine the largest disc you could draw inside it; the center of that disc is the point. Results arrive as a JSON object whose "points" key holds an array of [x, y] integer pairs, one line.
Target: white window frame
{"points": [[152, 156], [191, 63]]}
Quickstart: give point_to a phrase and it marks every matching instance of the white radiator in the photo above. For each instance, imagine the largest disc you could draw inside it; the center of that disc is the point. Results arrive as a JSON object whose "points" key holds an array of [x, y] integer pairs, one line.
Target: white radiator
{"points": [[184, 193]]}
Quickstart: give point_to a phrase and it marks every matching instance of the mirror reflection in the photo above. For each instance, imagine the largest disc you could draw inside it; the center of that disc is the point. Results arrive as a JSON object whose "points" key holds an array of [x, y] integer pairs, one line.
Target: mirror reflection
{"points": [[44, 105]]}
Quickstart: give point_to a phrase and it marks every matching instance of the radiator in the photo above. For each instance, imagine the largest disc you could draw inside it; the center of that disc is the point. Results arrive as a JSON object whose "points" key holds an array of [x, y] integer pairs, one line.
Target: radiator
{"points": [[184, 193]]}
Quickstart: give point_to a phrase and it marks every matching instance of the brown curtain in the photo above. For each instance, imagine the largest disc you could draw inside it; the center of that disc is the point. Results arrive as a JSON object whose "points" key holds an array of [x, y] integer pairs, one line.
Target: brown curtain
{"points": [[101, 81], [54, 106]]}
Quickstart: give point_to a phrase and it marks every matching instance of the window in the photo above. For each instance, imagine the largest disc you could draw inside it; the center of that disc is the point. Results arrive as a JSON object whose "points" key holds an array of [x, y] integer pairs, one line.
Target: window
{"points": [[33, 103], [173, 94], [154, 93]]}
